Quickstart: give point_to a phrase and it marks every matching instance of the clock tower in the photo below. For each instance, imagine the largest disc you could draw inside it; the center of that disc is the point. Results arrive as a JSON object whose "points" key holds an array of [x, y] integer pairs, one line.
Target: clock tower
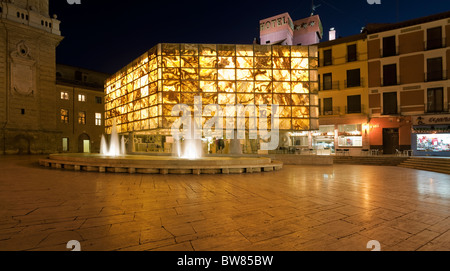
{"points": [[28, 40]]}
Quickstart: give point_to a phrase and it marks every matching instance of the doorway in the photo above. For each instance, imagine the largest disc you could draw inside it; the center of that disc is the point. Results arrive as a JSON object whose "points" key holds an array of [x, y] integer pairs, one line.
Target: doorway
{"points": [[390, 140], [84, 143]]}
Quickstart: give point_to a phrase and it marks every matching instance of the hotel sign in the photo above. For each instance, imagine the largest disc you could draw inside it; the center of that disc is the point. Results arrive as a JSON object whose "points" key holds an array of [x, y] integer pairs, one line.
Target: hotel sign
{"points": [[430, 120]]}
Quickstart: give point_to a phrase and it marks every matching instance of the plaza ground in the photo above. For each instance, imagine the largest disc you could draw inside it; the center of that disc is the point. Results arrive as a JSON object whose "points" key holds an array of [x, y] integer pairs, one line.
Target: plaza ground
{"points": [[333, 207]]}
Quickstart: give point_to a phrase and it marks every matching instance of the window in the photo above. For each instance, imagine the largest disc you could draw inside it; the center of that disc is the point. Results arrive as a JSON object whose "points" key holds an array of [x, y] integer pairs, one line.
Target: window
{"points": [[81, 97], [78, 75], [327, 81], [81, 117], [64, 95], [328, 106], [353, 78], [390, 75], [434, 69], [351, 53], [22, 111], [435, 100], [65, 144], [327, 59], [354, 104], [64, 116], [433, 142], [390, 103], [98, 100], [98, 119], [389, 48], [350, 135], [434, 38]]}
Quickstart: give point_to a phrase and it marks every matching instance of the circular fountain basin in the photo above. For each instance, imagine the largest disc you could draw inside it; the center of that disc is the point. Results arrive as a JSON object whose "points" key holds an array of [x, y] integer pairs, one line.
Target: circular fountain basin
{"points": [[160, 164]]}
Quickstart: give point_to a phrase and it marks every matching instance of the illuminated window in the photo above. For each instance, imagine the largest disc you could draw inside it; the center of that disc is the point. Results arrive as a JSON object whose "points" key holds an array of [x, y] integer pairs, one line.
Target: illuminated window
{"points": [[350, 135], [81, 97], [81, 117], [64, 116], [64, 95], [98, 119]]}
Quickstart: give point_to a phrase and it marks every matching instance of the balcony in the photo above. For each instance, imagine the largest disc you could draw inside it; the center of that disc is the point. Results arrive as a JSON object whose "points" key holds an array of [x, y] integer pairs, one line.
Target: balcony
{"points": [[334, 111], [435, 76], [389, 52], [334, 85], [432, 44], [354, 83], [355, 110]]}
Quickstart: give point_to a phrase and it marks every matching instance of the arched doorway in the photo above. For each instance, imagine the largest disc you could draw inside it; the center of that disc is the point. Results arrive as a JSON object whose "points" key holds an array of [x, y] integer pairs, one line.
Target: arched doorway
{"points": [[22, 144], [84, 143]]}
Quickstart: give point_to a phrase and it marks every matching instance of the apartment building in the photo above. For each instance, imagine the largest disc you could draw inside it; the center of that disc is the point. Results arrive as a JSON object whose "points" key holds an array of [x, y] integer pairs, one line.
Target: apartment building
{"points": [[343, 96], [408, 86]]}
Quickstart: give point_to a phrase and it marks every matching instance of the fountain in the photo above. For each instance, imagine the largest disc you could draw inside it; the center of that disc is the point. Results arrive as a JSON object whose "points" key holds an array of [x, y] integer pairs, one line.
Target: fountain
{"points": [[187, 158], [116, 147]]}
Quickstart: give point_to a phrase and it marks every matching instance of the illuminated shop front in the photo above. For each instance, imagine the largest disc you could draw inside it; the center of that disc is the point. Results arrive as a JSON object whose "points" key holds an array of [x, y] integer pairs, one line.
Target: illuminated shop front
{"points": [[323, 140], [140, 97], [431, 135]]}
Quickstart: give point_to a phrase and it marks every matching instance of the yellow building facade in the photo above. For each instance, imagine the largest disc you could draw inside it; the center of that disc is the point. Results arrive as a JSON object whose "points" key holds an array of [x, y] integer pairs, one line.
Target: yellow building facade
{"points": [[343, 97]]}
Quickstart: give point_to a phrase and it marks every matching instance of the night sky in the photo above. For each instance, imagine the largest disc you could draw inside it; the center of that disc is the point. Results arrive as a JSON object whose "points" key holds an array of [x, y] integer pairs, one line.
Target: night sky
{"points": [[106, 35]]}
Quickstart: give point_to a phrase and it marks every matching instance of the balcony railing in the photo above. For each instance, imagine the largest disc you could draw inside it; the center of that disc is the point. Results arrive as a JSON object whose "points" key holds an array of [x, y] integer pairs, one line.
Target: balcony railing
{"points": [[388, 53], [330, 112], [435, 44], [435, 76], [352, 83], [333, 86], [355, 110], [385, 83], [435, 108]]}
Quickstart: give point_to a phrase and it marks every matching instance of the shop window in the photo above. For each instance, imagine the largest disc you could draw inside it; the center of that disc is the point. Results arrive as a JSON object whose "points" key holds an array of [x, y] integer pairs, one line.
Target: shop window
{"points": [[351, 53], [390, 75], [389, 47], [434, 69], [324, 138], [353, 78], [389, 103], [354, 104], [434, 38], [435, 100], [327, 58], [433, 142], [350, 135]]}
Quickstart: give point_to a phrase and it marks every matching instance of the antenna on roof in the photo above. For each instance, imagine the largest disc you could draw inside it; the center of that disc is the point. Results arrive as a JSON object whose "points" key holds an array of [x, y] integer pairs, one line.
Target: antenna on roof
{"points": [[313, 7]]}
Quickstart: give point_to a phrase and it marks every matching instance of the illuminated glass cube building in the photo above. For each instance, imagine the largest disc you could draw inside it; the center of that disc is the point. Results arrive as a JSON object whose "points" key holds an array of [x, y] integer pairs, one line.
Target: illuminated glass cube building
{"points": [[139, 98]]}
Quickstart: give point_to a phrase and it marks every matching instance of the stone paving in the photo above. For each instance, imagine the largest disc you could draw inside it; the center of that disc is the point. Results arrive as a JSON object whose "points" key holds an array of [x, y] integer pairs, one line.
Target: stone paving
{"points": [[338, 207]]}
